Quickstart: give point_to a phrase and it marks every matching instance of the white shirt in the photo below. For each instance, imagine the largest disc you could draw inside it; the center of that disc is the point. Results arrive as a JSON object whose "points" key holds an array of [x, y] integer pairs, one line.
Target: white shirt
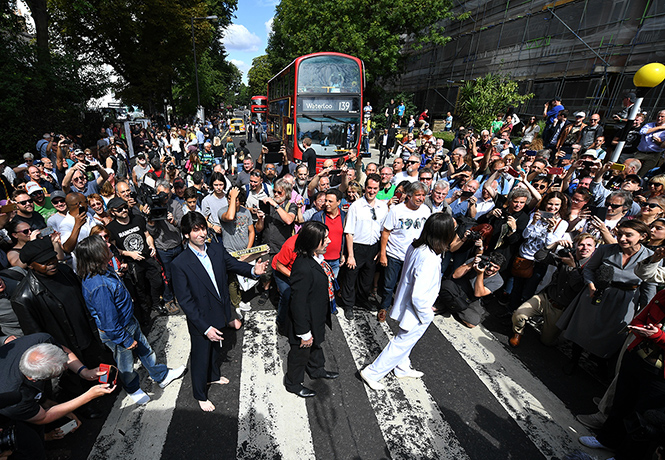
{"points": [[405, 225], [66, 228], [364, 226], [399, 177]]}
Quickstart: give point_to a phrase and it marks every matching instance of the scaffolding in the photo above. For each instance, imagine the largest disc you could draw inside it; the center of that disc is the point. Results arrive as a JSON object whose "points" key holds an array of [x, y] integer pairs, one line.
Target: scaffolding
{"points": [[586, 51]]}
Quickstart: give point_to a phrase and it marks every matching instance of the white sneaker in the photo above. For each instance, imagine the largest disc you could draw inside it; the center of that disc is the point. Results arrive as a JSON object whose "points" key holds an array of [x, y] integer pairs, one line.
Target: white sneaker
{"points": [[592, 442], [245, 306], [373, 384], [140, 397], [411, 374], [171, 376]]}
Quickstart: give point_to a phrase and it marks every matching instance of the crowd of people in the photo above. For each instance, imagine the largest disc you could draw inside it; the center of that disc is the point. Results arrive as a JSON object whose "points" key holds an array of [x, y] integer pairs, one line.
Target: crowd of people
{"points": [[96, 245]]}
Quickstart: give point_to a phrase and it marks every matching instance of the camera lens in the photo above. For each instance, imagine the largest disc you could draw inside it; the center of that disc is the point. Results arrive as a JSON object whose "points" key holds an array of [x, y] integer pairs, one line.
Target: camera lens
{"points": [[8, 439]]}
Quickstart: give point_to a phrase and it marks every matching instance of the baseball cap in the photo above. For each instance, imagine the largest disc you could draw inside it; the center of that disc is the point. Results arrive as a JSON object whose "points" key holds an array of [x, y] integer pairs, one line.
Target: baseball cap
{"points": [[115, 203], [39, 250], [580, 115], [33, 187], [178, 182], [58, 194]]}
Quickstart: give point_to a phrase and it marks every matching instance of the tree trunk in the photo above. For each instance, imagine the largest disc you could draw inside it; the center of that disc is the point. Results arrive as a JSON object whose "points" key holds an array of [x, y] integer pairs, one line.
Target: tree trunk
{"points": [[40, 16]]}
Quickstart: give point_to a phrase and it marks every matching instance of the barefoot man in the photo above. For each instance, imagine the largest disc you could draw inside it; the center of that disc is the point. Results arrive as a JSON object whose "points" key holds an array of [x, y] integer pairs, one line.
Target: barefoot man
{"points": [[201, 288]]}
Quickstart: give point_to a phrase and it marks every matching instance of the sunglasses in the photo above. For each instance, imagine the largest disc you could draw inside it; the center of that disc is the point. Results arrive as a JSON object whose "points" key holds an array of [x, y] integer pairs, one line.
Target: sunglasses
{"points": [[373, 211], [614, 206], [124, 207], [23, 203], [651, 205], [411, 162], [106, 237], [25, 232], [425, 178], [57, 202]]}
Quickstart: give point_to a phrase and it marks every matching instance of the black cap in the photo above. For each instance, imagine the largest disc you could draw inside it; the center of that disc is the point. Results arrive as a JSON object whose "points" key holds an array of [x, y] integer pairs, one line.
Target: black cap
{"points": [[116, 202], [39, 250]]}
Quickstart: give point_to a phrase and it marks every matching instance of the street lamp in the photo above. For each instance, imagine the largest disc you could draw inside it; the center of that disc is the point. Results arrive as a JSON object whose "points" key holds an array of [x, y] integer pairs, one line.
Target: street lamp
{"points": [[196, 67], [647, 77]]}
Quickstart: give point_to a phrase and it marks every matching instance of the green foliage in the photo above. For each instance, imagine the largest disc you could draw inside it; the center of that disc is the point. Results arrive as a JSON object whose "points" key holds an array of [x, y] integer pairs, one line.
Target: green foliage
{"points": [[447, 137], [378, 31], [148, 43], [39, 96], [482, 99], [259, 75], [411, 108]]}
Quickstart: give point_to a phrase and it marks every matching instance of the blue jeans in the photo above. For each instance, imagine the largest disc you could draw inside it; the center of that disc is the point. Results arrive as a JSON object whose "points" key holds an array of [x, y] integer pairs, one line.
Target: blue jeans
{"points": [[390, 279], [124, 358], [284, 288], [334, 266], [166, 257]]}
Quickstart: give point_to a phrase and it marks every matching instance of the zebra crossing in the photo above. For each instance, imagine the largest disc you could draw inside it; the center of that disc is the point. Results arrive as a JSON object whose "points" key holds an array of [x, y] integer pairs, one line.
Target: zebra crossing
{"points": [[412, 419]]}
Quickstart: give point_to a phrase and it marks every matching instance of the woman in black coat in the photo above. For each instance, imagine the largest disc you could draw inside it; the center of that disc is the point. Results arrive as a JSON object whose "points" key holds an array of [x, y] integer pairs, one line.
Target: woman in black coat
{"points": [[312, 294]]}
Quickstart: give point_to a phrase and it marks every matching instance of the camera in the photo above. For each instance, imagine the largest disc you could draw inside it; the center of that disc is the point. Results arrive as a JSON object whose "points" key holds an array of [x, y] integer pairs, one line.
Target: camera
{"points": [[564, 252], [474, 236], [484, 262], [8, 439], [156, 202]]}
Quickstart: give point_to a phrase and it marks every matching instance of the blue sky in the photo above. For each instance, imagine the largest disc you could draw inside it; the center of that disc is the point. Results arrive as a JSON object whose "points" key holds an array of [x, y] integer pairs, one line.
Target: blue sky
{"points": [[247, 37]]}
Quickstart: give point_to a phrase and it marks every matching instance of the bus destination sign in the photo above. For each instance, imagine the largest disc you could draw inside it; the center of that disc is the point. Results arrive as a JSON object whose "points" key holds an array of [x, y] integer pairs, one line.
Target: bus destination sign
{"points": [[328, 104]]}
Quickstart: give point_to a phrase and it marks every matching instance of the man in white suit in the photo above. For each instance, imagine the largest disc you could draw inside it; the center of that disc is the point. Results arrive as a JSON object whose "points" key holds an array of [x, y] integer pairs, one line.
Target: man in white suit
{"points": [[417, 290]]}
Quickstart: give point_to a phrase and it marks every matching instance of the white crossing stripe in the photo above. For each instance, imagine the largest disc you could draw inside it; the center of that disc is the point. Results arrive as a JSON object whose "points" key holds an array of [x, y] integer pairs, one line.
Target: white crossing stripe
{"points": [[139, 432], [409, 418], [272, 423], [543, 418]]}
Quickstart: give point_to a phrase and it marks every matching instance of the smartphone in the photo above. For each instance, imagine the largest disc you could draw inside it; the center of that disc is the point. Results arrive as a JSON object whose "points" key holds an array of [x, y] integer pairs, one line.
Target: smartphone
{"points": [[111, 375], [618, 167], [467, 194], [82, 209], [334, 172], [68, 427], [546, 215], [44, 232], [512, 172], [9, 207], [555, 171], [90, 168], [588, 164], [530, 153], [398, 195], [599, 211]]}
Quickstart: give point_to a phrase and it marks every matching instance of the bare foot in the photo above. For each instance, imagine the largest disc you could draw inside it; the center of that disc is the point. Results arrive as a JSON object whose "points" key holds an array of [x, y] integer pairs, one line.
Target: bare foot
{"points": [[206, 406], [221, 381]]}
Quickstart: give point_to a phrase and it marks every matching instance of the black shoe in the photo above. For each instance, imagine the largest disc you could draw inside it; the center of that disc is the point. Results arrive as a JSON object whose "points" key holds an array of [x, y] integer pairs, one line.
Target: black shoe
{"points": [[281, 329], [264, 298], [329, 375], [304, 392], [161, 310], [348, 313]]}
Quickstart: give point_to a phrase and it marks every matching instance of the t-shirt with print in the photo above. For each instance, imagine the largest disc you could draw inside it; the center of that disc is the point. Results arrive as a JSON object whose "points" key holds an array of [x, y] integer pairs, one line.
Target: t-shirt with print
{"points": [[405, 225], [130, 237], [235, 234]]}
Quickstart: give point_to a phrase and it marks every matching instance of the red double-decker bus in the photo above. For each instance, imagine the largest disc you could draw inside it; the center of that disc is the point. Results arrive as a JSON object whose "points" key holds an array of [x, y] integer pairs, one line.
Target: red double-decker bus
{"points": [[317, 96], [259, 104]]}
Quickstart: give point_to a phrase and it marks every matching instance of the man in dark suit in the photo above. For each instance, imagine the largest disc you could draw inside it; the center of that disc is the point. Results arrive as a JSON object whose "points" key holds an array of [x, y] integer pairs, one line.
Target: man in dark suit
{"points": [[201, 287]]}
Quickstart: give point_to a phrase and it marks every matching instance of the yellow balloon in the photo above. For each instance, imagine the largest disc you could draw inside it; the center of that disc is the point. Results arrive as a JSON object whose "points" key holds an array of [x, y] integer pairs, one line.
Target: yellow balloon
{"points": [[650, 75]]}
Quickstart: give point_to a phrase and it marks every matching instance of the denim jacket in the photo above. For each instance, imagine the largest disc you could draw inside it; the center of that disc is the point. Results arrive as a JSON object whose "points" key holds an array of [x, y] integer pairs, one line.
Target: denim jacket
{"points": [[110, 305]]}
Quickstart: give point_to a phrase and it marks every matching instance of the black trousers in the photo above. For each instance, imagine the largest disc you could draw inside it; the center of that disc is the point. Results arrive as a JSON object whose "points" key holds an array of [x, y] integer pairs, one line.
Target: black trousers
{"points": [[357, 283], [637, 390], [29, 442], [149, 283], [204, 362], [308, 359]]}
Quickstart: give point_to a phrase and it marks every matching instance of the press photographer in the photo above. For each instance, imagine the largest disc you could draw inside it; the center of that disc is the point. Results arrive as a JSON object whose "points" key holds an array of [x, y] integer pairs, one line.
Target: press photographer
{"points": [[567, 282]]}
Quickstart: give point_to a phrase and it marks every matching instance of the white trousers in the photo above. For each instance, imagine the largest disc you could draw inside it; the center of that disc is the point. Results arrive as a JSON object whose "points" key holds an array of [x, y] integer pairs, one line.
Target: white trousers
{"points": [[396, 354]]}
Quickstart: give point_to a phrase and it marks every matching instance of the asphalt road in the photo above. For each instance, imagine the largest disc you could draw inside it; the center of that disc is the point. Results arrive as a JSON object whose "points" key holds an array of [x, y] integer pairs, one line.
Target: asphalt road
{"points": [[479, 398]]}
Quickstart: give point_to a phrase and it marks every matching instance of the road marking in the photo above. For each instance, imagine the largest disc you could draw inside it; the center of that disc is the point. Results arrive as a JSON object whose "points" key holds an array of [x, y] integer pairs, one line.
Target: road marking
{"points": [[409, 418], [544, 419], [272, 423], [139, 432]]}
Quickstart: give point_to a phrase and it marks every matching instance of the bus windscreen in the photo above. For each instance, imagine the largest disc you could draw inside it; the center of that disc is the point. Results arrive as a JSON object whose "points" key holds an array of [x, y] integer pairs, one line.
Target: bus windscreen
{"points": [[328, 74]]}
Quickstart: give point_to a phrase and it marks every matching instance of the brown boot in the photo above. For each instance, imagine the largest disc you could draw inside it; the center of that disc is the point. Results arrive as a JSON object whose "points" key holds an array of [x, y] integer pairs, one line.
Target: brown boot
{"points": [[515, 340]]}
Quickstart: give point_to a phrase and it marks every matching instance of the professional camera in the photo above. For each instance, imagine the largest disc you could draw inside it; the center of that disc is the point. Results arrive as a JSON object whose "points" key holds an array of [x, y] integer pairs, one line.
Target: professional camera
{"points": [[564, 252], [474, 236], [484, 262], [156, 201], [8, 439]]}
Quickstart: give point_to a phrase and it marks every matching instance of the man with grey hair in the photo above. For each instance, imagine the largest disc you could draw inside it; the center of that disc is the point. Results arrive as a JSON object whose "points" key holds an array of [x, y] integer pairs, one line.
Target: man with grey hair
{"points": [[402, 225], [28, 363], [165, 231], [436, 201]]}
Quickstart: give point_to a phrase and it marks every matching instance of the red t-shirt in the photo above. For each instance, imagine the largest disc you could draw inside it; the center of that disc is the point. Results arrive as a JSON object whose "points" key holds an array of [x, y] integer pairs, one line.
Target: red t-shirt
{"points": [[286, 255], [336, 235]]}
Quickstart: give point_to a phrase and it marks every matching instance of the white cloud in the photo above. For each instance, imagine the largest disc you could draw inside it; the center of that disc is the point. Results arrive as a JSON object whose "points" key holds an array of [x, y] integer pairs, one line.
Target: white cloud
{"points": [[242, 66], [237, 37], [268, 24]]}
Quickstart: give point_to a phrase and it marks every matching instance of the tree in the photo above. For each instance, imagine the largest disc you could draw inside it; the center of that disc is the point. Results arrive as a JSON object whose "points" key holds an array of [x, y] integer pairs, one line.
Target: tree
{"points": [[258, 76], [147, 42], [379, 32], [482, 99]]}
